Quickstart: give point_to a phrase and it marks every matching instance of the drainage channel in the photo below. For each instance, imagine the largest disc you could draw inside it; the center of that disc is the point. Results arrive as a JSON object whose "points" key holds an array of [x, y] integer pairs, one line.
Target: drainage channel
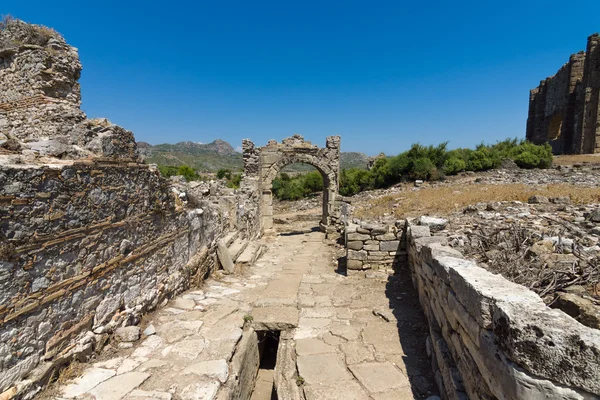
{"points": [[268, 344]]}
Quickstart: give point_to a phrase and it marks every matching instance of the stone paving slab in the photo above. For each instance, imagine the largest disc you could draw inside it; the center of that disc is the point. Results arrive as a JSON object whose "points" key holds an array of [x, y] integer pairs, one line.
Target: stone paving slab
{"points": [[346, 336]]}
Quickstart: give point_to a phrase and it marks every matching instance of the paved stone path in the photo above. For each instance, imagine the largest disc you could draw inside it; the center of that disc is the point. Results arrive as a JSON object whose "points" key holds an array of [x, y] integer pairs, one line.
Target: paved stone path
{"points": [[356, 337]]}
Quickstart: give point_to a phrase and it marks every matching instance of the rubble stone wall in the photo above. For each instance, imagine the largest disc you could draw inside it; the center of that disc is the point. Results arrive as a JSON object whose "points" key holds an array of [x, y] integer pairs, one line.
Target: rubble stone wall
{"points": [[491, 338], [86, 248], [374, 247], [564, 108]]}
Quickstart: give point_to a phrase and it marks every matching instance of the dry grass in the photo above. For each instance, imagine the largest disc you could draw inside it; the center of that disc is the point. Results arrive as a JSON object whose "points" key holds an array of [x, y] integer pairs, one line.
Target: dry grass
{"points": [[73, 370], [577, 159], [447, 199]]}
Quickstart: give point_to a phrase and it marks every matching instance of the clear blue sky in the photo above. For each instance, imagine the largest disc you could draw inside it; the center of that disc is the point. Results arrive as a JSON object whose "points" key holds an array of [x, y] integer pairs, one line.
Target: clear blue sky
{"points": [[380, 74]]}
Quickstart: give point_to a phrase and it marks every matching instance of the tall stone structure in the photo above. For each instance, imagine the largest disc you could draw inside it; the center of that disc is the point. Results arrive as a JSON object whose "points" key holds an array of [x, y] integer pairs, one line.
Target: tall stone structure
{"points": [[564, 109]]}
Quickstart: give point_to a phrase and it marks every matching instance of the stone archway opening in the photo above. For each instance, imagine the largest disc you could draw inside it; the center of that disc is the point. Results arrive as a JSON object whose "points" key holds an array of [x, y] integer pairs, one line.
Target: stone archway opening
{"points": [[300, 195], [263, 164]]}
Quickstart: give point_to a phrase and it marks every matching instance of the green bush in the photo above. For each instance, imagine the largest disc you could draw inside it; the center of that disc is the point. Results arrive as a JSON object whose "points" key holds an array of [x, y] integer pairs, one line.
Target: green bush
{"points": [[422, 168], [234, 182], [224, 173], [188, 173], [354, 180], [419, 162], [454, 165]]}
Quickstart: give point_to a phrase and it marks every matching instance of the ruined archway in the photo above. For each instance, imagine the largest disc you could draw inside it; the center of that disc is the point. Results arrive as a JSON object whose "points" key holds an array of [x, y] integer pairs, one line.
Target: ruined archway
{"points": [[262, 164]]}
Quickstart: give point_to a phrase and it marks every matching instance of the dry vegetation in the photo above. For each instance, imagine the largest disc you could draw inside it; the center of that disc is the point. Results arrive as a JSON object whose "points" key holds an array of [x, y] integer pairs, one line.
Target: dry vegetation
{"points": [[577, 159], [447, 199], [506, 251]]}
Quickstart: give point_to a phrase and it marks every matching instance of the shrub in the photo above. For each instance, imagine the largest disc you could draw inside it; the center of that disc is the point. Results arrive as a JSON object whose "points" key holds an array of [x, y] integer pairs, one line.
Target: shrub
{"points": [[188, 173], [422, 168], [354, 180], [454, 165], [234, 182], [224, 173]]}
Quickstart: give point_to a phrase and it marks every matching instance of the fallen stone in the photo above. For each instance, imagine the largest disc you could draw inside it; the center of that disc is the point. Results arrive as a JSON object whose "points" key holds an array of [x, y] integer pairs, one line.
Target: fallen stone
{"points": [[150, 330], [537, 199], [434, 224], [127, 334], [224, 257]]}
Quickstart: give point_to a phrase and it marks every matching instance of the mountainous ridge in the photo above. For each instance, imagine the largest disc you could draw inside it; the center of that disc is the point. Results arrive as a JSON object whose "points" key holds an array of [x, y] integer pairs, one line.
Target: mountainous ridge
{"points": [[210, 157]]}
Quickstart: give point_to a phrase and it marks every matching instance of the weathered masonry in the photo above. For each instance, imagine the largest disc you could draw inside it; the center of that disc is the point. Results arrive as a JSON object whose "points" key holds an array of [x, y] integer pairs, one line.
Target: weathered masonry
{"points": [[91, 237], [564, 109], [262, 164], [489, 338]]}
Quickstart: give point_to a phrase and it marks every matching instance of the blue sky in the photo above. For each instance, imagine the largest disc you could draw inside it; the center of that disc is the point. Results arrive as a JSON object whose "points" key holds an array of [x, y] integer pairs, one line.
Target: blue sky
{"points": [[382, 74]]}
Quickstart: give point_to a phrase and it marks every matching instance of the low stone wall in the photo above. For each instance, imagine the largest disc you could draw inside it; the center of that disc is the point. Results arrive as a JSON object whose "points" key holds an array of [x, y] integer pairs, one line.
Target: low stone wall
{"points": [[491, 338], [374, 246], [86, 247]]}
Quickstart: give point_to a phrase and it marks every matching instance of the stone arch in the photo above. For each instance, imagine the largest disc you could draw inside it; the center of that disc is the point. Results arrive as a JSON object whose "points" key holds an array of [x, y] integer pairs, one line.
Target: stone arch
{"points": [[264, 163]]}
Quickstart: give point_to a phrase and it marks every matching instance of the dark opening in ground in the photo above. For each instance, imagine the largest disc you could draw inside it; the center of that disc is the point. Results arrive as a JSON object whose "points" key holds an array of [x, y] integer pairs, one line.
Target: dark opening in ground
{"points": [[268, 343]]}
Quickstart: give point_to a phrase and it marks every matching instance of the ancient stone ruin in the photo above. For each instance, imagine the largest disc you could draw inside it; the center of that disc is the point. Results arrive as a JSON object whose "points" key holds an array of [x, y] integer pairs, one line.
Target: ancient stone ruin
{"points": [[564, 110], [116, 283], [263, 164]]}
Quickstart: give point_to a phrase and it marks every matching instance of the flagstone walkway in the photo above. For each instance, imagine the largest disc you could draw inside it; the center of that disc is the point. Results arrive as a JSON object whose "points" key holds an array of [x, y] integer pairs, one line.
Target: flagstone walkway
{"points": [[355, 337]]}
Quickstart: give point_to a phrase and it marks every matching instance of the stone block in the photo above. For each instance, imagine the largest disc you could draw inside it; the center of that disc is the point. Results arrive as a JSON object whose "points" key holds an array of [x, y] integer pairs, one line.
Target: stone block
{"points": [[357, 255], [548, 343], [355, 245], [391, 245], [386, 236], [358, 236], [354, 264], [434, 224], [478, 289], [416, 231], [371, 247]]}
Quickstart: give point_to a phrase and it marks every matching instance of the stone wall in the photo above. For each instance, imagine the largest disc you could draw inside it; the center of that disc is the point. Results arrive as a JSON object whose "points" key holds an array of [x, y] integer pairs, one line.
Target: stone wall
{"points": [[40, 99], [90, 237], [564, 108], [493, 339], [371, 246], [91, 246]]}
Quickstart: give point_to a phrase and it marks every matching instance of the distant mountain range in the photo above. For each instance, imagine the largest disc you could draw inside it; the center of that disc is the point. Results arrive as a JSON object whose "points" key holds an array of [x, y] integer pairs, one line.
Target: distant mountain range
{"points": [[210, 157]]}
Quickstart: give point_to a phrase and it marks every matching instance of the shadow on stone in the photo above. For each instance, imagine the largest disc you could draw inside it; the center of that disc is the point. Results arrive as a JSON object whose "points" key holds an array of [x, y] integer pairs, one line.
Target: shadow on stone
{"points": [[412, 330]]}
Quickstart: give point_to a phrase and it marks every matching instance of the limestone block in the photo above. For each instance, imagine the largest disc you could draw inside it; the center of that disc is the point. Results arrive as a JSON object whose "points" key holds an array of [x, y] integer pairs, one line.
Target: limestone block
{"points": [[424, 241], [548, 343], [391, 245], [358, 236], [127, 334], [354, 264], [416, 231], [355, 245], [465, 319], [386, 236], [371, 247], [357, 255], [478, 289], [434, 224], [225, 257]]}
